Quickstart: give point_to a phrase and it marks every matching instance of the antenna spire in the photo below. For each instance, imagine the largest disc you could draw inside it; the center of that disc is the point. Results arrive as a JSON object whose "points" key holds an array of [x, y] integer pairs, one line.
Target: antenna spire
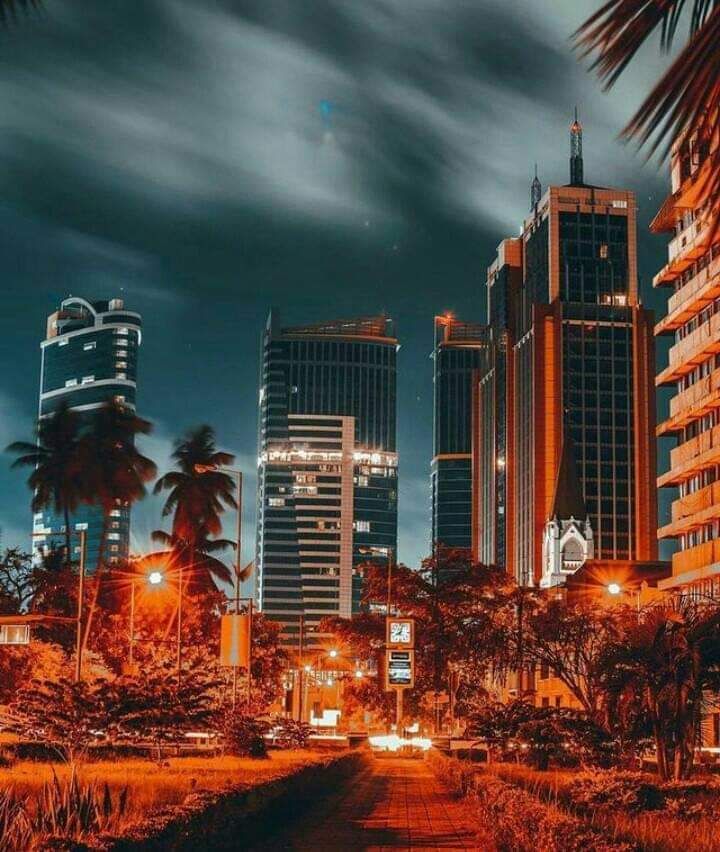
{"points": [[535, 191], [576, 152]]}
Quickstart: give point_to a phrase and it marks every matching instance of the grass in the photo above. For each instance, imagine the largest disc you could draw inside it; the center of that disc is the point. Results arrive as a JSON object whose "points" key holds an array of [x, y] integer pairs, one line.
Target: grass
{"points": [[152, 787], [652, 831]]}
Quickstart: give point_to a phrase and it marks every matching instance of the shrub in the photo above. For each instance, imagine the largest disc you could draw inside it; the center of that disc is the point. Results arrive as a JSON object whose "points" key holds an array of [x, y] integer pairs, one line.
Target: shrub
{"points": [[630, 791], [289, 733], [245, 735]]}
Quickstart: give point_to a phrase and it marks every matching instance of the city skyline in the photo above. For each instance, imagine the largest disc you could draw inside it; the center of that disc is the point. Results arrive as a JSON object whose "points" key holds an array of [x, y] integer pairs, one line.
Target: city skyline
{"points": [[196, 285]]}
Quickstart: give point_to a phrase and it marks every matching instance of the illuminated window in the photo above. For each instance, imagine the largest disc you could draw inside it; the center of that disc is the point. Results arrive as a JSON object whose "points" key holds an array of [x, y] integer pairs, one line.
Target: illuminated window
{"points": [[88, 346], [362, 526], [276, 501], [87, 379], [603, 251], [70, 383]]}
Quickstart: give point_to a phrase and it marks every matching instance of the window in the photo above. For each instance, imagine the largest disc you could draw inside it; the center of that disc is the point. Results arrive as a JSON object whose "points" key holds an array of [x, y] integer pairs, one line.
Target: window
{"points": [[603, 251], [114, 536], [70, 383], [276, 501], [122, 331], [87, 379], [544, 671], [362, 481], [121, 353], [121, 375], [63, 342], [81, 526], [362, 526], [121, 365], [88, 346]]}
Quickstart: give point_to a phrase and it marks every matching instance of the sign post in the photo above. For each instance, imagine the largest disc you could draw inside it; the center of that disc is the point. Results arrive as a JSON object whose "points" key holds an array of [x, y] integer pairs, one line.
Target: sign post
{"points": [[399, 660]]}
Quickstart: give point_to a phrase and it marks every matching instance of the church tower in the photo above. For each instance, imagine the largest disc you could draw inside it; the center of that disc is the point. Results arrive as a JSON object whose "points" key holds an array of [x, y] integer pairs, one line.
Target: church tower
{"points": [[567, 537]]}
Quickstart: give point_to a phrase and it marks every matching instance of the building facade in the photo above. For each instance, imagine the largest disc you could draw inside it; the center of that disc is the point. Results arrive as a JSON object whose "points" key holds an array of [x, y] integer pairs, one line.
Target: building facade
{"points": [[460, 349], [327, 479], [577, 368], [693, 371], [89, 357]]}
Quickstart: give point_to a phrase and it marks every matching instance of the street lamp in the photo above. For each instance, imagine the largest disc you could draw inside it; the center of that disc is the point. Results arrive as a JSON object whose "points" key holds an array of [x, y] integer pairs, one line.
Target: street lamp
{"points": [[614, 588], [155, 578]]}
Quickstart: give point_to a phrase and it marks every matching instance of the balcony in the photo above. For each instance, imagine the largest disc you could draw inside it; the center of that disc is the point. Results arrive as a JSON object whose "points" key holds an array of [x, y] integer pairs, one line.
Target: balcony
{"points": [[686, 247], [691, 457], [693, 511], [695, 558], [694, 348], [692, 403], [692, 297]]}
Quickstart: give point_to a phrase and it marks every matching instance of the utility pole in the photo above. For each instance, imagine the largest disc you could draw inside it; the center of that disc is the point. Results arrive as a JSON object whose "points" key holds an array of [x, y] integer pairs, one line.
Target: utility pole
{"points": [[81, 596], [301, 671]]}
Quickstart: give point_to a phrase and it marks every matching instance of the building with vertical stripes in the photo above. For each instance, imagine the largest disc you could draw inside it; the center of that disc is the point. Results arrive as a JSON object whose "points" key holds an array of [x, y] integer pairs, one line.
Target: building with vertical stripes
{"points": [[460, 348], [571, 374], [327, 484]]}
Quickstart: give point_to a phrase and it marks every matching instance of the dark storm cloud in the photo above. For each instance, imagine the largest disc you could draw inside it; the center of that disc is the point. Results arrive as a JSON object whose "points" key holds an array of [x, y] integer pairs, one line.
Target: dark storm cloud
{"points": [[179, 153]]}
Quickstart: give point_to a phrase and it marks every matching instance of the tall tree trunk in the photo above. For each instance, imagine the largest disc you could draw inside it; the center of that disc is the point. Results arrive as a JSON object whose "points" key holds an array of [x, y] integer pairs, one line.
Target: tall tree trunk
{"points": [[68, 538]]}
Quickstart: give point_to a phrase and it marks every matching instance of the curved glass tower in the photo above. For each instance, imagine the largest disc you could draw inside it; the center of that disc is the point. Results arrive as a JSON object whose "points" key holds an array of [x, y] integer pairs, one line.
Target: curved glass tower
{"points": [[89, 356]]}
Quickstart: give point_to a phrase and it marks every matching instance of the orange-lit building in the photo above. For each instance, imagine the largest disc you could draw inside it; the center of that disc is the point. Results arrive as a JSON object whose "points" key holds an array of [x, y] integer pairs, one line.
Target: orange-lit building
{"points": [[571, 378], [693, 370]]}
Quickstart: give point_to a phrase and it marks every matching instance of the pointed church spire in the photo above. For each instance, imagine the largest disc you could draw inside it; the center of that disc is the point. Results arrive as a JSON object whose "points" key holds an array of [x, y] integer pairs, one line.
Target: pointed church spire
{"points": [[568, 501], [576, 152], [535, 191]]}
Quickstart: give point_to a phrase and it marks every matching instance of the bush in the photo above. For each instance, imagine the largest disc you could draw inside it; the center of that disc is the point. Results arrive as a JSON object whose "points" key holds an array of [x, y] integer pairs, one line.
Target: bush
{"points": [[289, 733], [245, 735], [630, 791]]}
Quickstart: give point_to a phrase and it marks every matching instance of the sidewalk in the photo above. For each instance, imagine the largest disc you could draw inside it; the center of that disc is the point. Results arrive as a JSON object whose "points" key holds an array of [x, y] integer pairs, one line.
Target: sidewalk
{"points": [[395, 803]]}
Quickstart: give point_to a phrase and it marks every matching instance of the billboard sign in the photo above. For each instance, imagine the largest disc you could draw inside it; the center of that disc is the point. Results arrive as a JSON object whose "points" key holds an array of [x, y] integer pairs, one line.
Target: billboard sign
{"points": [[400, 669]]}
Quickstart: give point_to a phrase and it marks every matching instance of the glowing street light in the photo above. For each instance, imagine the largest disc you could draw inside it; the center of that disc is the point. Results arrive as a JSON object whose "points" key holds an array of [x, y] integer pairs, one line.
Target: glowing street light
{"points": [[358, 673], [614, 588], [333, 653], [155, 578]]}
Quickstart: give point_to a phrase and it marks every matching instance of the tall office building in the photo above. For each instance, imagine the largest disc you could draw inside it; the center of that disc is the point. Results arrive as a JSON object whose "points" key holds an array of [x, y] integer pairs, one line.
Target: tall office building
{"points": [[327, 484], [89, 356], [693, 317], [460, 348], [576, 351]]}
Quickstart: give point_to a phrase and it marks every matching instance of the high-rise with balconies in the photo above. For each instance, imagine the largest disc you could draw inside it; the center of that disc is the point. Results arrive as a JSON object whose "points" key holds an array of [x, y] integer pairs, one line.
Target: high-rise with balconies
{"points": [[327, 479], [693, 371], [89, 357]]}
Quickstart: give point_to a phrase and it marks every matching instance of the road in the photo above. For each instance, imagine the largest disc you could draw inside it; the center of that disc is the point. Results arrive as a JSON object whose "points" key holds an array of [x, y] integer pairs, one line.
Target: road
{"points": [[393, 803]]}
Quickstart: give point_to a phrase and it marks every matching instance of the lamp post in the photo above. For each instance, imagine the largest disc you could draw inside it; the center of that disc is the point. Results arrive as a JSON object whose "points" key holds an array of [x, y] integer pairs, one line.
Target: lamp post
{"points": [[82, 535]]}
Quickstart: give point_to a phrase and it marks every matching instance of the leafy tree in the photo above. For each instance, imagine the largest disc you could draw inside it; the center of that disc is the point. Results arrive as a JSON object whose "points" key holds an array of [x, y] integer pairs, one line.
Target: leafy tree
{"points": [[199, 492], [17, 581], [65, 715], [21, 664], [685, 103], [57, 479], [450, 599], [661, 671], [289, 733], [158, 706]]}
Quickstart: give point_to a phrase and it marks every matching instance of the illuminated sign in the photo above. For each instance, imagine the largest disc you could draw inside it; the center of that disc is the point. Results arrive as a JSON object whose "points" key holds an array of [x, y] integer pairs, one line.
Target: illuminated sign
{"points": [[14, 634], [400, 669], [400, 632]]}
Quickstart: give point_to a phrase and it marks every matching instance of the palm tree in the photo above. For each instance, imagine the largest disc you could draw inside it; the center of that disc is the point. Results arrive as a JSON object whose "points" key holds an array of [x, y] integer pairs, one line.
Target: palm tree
{"points": [[56, 481], [685, 103], [116, 473], [9, 9], [199, 492], [659, 673]]}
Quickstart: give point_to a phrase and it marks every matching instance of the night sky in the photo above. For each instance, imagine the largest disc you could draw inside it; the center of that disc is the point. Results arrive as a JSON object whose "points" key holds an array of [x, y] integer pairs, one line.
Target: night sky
{"points": [[207, 160]]}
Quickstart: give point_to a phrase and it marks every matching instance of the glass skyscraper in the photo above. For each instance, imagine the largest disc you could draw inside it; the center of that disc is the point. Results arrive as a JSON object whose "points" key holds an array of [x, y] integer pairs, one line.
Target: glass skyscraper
{"points": [[89, 356], [460, 349], [580, 361], [327, 484]]}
